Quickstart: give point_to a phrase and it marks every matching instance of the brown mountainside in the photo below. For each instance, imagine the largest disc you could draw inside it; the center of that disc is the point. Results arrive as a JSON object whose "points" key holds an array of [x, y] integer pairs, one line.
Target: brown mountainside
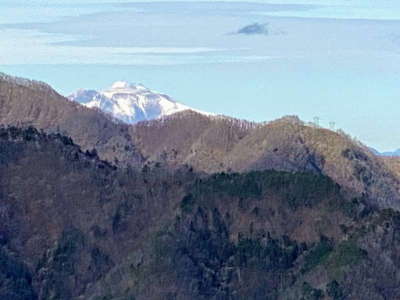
{"points": [[215, 144], [30, 103], [75, 227], [393, 164], [207, 143]]}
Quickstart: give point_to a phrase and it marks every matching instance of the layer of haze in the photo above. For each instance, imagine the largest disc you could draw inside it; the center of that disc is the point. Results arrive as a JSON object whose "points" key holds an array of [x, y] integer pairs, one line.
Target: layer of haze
{"points": [[338, 60]]}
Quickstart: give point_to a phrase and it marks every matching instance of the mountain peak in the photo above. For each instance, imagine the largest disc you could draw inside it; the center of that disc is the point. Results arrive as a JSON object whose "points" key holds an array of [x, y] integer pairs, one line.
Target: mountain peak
{"points": [[130, 103], [127, 86], [120, 85], [124, 87]]}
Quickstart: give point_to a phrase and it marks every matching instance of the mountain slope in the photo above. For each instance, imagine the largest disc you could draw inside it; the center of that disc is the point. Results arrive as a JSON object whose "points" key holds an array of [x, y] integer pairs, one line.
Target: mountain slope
{"points": [[75, 227], [129, 103], [206, 143], [393, 163], [223, 144], [24, 102]]}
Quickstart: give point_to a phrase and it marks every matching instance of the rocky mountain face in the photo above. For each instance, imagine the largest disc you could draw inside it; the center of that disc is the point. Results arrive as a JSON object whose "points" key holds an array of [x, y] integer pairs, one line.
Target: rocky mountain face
{"points": [[76, 227], [129, 103], [207, 143]]}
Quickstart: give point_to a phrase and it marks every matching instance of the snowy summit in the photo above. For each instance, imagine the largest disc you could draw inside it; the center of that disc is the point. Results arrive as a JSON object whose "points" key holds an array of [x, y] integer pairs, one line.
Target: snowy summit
{"points": [[130, 103]]}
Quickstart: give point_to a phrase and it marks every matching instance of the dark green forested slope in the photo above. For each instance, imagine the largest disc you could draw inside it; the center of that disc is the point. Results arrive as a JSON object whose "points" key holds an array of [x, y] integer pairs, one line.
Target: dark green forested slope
{"points": [[75, 227]]}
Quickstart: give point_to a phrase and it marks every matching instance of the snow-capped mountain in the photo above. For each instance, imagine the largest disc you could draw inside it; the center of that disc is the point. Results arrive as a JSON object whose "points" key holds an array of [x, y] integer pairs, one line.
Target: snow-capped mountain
{"points": [[129, 102]]}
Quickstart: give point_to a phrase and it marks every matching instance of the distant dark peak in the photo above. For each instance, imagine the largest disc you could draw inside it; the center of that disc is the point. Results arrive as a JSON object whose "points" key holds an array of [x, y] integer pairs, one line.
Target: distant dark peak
{"points": [[254, 29], [393, 154]]}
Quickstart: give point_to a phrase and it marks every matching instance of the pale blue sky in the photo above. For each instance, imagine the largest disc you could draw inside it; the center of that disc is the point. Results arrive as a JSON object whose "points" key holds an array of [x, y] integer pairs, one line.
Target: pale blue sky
{"points": [[338, 60]]}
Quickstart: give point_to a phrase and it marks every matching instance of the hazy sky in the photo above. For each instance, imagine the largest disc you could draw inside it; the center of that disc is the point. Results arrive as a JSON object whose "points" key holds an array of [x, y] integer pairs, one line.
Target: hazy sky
{"points": [[338, 60]]}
